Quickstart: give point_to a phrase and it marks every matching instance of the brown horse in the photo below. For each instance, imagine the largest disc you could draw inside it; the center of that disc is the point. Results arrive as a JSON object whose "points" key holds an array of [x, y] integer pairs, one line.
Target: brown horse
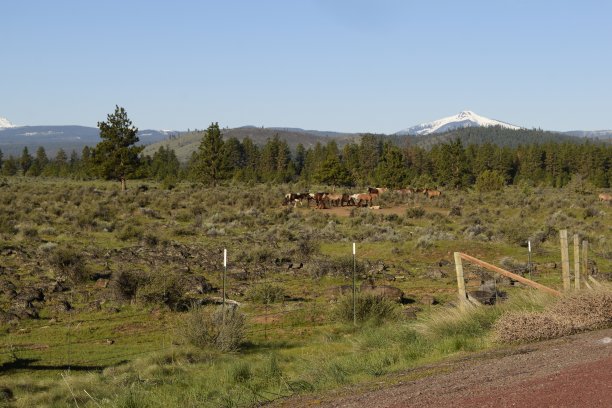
{"points": [[432, 193], [335, 199], [346, 199], [320, 199], [377, 190], [605, 197], [405, 191], [366, 199]]}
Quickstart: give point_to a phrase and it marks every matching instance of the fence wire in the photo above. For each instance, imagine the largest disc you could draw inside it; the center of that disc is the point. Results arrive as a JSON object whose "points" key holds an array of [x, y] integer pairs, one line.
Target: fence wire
{"points": [[305, 306]]}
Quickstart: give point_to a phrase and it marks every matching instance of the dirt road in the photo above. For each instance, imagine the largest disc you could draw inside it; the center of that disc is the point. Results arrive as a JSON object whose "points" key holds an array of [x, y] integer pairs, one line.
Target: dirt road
{"points": [[574, 371]]}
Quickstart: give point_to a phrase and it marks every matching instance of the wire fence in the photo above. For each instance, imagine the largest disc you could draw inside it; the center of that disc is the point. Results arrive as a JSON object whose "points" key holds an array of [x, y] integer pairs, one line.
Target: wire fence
{"points": [[306, 305]]}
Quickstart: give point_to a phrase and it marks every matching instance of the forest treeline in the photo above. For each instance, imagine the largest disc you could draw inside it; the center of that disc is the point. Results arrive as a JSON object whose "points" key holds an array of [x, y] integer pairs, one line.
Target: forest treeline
{"points": [[373, 160]]}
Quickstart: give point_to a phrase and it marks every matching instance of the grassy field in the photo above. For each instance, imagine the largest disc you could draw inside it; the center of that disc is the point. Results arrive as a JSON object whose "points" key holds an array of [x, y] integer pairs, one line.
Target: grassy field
{"points": [[98, 286]]}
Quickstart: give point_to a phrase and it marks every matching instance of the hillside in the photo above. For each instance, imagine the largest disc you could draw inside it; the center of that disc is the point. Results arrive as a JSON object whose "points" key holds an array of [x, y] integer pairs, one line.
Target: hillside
{"points": [[496, 135], [188, 143]]}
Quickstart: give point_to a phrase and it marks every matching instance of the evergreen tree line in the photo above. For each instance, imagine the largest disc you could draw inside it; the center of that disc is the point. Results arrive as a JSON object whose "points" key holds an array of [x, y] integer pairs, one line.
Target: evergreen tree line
{"points": [[374, 160]]}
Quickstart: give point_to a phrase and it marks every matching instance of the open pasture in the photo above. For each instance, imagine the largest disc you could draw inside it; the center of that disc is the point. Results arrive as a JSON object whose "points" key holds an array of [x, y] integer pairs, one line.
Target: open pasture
{"points": [[101, 282]]}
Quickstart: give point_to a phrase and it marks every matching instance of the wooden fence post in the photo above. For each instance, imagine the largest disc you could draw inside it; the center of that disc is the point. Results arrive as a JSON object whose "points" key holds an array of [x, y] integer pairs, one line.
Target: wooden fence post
{"points": [[576, 262], [585, 258], [460, 280], [565, 266]]}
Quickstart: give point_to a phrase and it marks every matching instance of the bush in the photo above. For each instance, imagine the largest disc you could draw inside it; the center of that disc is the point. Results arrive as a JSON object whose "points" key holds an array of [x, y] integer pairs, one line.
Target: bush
{"points": [[265, 293], [7, 225], [415, 212], [217, 327], [129, 232], [127, 284], [163, 288], [490, 180], [368, 308], [69, 263]]}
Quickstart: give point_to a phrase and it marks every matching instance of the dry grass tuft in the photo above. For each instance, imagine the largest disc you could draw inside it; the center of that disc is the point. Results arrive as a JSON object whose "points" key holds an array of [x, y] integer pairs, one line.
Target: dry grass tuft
{"points": [[577, 312]]}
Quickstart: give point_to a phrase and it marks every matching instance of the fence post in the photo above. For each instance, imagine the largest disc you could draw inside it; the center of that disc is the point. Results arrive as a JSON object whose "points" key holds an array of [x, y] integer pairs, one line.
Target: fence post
{"points": [[224, 273], [585, 259], [354, 287], [565, 266], [576, 262], [460, 281], [528, 259]]}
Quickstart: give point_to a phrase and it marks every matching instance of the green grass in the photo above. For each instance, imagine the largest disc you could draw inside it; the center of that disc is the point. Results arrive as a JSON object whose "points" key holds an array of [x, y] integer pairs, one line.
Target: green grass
{"points": [[293, 345]]}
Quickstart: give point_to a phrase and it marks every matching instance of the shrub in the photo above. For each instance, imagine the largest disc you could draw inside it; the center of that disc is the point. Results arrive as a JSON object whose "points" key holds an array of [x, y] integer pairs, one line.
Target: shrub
{"points": [[69, 263], [455, 211], [129, 232], [217, 327], [127, 284], [415, 212], [150, 239], [368, 308], [163, 288], [7, 225], [265, 293], [490, 180]]}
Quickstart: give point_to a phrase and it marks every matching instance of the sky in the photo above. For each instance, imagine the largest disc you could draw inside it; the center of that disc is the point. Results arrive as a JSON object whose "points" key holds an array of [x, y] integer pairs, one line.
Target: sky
{"points": [[352, 66]]}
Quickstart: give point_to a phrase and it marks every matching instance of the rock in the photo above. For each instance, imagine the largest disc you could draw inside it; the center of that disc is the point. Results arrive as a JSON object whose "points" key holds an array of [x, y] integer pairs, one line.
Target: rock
{"points": [[436, 274], [411, 312], [8, 317], [483, 296], [63, 306], [57, 287], [428, 300], [386, 291], [443, 262], [101, 283]]}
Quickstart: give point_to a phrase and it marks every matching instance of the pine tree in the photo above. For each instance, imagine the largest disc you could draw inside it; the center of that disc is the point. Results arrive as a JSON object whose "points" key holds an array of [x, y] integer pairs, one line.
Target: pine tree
{"points": [[117, 156], [391, 171], [10, 166], [61, 161], [210, 166], [299, 159], [26, 160], [39, 163], [334, 173]]}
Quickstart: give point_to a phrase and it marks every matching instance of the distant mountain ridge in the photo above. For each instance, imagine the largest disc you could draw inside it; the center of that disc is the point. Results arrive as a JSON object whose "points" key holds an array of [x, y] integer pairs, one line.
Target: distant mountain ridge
{"points": [[593, 134], [189, 142], [52, 138], [14, 138]]}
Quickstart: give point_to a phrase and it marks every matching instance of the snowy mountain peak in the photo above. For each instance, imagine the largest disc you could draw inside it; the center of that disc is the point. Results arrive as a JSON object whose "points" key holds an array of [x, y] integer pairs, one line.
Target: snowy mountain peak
{"points": [[462, 119], [5, 123]]}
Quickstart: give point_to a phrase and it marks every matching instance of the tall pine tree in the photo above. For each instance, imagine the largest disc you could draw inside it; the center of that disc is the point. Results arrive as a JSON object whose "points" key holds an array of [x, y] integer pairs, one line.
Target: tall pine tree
{"points": [[117, 156]]}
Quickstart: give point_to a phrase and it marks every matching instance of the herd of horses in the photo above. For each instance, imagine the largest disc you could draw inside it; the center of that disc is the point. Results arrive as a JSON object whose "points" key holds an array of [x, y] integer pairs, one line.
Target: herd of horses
{"points": [[324, 200]]}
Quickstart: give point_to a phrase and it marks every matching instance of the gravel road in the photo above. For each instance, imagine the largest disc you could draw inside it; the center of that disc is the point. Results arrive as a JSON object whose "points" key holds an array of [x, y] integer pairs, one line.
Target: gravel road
{"points": [[574, 371]]}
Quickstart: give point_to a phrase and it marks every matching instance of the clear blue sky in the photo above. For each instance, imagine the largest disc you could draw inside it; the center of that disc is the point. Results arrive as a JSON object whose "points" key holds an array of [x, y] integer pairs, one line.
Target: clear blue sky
{"points": [[354, 65]]}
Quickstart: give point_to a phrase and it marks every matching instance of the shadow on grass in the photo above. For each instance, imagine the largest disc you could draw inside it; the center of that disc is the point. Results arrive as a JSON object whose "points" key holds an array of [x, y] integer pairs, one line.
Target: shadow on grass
{"points": [[30, 364]]}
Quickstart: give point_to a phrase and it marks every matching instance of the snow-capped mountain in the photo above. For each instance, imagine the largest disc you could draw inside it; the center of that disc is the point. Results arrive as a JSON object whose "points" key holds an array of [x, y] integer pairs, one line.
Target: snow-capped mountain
{"points": [[5, 123], [462, 119]]}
